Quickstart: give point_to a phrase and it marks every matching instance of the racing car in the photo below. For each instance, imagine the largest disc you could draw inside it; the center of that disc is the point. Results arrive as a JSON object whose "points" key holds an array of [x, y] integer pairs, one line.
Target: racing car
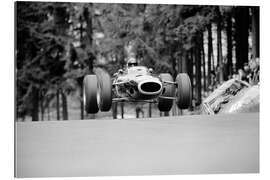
{"points": [[135, 84]]}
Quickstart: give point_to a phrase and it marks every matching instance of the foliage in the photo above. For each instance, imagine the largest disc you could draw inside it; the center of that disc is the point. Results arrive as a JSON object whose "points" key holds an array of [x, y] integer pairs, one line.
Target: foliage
{"points": [[57, 42]]}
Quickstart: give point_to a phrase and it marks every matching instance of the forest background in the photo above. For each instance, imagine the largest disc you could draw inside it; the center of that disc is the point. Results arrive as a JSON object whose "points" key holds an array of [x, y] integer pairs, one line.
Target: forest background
{"points": [[58, 43]]}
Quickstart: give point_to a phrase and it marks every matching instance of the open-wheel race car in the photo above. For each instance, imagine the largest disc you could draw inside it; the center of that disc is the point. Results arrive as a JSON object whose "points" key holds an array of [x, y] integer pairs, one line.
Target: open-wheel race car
{"points": [[135, 84]]}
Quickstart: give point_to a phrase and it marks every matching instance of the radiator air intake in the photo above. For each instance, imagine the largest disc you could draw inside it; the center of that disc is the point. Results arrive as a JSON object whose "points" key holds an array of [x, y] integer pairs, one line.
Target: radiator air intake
{"points": [[150, 88]]}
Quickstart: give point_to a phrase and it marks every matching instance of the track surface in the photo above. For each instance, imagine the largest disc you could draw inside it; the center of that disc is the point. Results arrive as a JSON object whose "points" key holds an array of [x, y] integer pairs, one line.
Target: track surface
{"points": [[173, 145]]}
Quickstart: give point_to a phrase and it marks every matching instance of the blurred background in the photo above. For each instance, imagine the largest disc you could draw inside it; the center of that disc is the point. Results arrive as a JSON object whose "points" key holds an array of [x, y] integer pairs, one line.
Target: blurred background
{"points": [[57, 44]]}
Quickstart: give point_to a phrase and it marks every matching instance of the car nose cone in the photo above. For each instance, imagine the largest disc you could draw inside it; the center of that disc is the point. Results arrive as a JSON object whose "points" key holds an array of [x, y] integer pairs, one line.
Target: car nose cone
{"points": [[150, 87]]}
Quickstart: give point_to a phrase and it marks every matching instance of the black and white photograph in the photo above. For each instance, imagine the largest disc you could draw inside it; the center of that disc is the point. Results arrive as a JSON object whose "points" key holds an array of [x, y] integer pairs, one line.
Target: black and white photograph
{"points": [[132, 89]]}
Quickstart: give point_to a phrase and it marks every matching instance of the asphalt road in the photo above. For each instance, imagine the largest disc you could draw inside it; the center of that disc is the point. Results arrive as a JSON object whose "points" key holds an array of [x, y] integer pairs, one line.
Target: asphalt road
{"points": [[157, 146]]}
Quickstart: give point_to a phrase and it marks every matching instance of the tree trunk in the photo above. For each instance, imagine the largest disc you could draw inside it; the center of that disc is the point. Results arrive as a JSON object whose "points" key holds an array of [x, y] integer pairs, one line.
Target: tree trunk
{"points": [[89, 32], [114, 110], [190, 73], [198, 70], [210, 51], [174, 72], [80, 82], [184, 63], [57, 104], [137, 110], [203, 62], [181, 50], [88, 19], [219, 47], [42, 106], [241, 35], [166, 113], [173, 61], [48, 112], [35, 103], [229, 47], [255, 31], [150, 110], [122, 110], [64, 106]]}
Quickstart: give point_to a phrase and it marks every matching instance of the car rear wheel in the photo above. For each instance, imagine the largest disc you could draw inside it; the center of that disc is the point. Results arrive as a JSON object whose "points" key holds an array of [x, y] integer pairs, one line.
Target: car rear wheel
{"points": [[168, 91], [183, 99], [104, 93], [90, 88]]}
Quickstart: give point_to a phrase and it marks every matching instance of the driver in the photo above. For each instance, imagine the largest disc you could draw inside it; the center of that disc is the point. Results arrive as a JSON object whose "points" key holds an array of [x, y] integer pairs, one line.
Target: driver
{"points": [[132, 62]]}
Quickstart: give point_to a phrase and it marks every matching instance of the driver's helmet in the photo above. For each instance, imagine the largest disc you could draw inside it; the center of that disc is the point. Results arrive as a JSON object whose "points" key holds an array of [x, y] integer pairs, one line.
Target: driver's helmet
{"points": [[132, 62]]}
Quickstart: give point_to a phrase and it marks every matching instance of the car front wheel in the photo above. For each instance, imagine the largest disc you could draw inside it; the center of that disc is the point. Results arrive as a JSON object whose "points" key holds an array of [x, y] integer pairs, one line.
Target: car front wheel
{"points": [[90, 87], [104, 92], [183, 99]]}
